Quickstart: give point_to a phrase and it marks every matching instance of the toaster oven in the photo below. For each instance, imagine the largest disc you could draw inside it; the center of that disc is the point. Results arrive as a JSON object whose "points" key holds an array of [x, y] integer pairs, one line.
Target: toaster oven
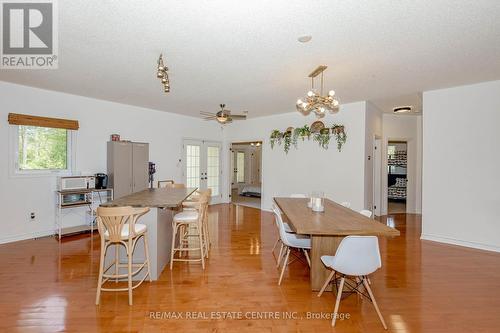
{"points": [[76, 183]]}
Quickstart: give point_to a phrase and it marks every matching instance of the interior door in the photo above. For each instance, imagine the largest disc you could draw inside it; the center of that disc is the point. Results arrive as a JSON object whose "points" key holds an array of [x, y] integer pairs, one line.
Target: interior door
{"points": [[202, 166]]}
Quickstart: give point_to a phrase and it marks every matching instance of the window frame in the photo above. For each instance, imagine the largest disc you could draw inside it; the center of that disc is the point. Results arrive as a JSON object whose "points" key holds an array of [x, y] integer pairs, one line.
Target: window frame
{"points": [[14, 156]]}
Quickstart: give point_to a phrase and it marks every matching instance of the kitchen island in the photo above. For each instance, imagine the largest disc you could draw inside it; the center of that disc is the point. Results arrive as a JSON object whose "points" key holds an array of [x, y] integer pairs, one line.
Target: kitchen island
{"points": [[163, 202]]}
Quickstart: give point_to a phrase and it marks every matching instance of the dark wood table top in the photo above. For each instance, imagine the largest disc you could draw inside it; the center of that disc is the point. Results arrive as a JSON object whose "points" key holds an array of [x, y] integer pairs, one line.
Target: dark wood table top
{"points": [[155, 198], [336, 220]]}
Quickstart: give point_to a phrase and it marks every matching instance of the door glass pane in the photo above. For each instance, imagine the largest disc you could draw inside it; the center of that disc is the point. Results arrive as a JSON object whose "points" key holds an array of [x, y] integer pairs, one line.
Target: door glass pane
{"points": [[192, 166], [213, 169], [240, 167]]}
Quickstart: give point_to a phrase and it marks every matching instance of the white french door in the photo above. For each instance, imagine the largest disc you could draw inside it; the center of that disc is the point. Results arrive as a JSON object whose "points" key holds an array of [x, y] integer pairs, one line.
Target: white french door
{"points": [[202, 166]]}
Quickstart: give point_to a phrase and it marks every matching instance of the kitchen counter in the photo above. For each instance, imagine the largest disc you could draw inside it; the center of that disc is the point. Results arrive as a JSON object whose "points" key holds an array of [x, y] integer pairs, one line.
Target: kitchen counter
{"points": [[164, 204], [153, 198]]}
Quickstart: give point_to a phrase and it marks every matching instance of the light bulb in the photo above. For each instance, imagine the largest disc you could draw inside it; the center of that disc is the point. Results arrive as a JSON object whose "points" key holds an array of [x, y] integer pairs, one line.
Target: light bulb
{"points": [[331, 93], [304, 105], [335, 102], [159, 74], [164, 80], [258, 144], [310, 93], [299, 101]]}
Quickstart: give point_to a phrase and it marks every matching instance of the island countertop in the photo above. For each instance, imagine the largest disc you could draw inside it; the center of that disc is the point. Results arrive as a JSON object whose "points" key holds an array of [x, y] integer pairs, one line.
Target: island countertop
{"points": [[154, 198]]}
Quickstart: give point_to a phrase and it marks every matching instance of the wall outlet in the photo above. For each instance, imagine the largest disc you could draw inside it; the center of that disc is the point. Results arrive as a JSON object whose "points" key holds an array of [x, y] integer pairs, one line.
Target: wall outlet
{"points": [[32, 216]]}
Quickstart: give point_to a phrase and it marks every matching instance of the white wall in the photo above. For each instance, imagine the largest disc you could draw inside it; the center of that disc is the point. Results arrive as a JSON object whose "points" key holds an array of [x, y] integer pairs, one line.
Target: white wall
{"points": [[404, 128], [98, 119], [309, 168], [373, 129], [461, 164]]}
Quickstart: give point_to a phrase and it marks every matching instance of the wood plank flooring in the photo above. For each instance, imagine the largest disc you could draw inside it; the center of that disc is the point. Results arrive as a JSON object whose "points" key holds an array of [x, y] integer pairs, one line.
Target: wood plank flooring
{"points": [[422, 287]]}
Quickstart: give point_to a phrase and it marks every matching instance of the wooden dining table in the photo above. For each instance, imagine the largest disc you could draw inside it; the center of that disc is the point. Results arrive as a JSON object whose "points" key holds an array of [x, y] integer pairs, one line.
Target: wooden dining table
{"points": [[327, 229]]}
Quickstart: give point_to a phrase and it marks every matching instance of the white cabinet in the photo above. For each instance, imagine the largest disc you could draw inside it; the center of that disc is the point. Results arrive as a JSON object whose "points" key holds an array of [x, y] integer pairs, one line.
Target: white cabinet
{"points": [[128, 167]]}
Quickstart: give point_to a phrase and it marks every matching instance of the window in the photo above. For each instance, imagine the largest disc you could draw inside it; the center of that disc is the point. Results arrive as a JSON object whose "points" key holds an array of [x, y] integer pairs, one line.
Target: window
{"points": [[240, 167], [39, 150]]}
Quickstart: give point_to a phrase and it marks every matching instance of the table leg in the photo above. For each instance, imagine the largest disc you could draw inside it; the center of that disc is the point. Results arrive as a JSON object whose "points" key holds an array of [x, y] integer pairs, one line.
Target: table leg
{"points": [[322, 245]]}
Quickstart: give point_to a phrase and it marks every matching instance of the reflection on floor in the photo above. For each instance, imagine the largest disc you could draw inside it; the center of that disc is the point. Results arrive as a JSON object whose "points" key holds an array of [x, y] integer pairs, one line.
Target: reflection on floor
{"points": [[396, 207], [422, 287], [243, 200]]}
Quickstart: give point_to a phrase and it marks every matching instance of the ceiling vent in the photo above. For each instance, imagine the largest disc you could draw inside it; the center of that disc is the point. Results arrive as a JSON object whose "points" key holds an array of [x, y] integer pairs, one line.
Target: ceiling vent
{"points": [[402, 109]]}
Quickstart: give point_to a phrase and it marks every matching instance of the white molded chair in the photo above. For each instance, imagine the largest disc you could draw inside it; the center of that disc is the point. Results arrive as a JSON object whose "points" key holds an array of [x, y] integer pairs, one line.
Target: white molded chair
{"points": [[366, 213], [346, 204], [356, 256], [287, 229], [117, 226], [291, 241], [298, 195]]}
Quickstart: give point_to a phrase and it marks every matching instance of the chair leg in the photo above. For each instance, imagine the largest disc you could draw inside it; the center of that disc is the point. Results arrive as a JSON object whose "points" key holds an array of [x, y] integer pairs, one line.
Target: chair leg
{"points": [[327, 282], [275, 243], [146, 250], [172, 251], [200, 237], [307, 257], [278, 261], [129, 266], [367, 286], [117, 259], [101, 272], [337, 302], [285, 263]]}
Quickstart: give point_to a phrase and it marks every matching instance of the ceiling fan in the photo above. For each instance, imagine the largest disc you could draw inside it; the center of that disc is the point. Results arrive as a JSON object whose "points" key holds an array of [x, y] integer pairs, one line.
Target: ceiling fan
{"points": [[224, 116]]}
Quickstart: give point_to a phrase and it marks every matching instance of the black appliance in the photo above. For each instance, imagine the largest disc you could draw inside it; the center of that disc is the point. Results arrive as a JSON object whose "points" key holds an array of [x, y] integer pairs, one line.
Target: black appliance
{"points": [[101, 181]]}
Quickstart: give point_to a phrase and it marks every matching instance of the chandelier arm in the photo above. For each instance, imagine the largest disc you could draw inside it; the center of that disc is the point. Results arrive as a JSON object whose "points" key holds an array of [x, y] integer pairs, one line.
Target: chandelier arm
{"points": [[321, 83]]}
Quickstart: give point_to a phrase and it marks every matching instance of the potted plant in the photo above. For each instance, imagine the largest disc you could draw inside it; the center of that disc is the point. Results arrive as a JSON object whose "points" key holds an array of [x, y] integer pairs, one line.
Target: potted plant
{"points": [[275, 137], [323, 137], [340, 136], [287, 139]]}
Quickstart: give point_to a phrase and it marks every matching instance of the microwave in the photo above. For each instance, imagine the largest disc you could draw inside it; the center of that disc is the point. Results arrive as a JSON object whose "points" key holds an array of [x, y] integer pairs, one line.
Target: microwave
{"points": [[76, 183]]}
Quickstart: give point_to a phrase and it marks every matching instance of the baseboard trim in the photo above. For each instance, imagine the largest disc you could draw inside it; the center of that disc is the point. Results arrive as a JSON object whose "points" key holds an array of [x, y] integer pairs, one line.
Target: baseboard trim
{"points": [[21, 237], [459, 242]]}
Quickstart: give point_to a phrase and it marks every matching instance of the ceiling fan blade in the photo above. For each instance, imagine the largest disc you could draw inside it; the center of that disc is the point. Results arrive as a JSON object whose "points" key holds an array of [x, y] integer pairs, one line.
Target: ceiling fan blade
{"points": [[209, 118], [207, 113], [239, 116]]}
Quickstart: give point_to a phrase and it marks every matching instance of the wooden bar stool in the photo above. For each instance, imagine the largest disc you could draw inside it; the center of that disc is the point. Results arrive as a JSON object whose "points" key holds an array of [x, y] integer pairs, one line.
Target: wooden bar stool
{"points": [[188, 205], [182, 223], [117, 226]]}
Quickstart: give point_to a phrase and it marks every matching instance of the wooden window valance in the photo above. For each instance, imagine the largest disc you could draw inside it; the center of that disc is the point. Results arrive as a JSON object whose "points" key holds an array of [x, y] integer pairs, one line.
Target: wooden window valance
{"points": [[28, 120]]}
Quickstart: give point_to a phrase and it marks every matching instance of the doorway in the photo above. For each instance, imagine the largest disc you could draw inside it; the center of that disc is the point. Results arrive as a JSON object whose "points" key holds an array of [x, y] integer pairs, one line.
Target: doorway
{"points": [[202, 166], [397, 176], [246, 178]]}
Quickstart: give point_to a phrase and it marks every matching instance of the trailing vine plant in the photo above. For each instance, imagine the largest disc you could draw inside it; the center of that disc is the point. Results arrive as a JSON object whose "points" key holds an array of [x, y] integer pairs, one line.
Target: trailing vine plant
{"points": [[340, 135], [291, 136]]}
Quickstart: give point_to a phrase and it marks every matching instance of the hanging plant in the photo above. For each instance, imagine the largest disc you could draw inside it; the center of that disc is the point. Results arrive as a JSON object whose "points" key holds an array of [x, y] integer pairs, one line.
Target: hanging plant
{"points": [[302, 132], [275, 137], [323, 138], [287, 139], [340, 135]]}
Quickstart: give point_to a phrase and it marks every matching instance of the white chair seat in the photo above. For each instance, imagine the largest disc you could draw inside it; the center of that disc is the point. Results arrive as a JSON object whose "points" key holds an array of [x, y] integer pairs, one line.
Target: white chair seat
{"points": [[298, 241], [139, 230], [328, 261], [186, 216]]}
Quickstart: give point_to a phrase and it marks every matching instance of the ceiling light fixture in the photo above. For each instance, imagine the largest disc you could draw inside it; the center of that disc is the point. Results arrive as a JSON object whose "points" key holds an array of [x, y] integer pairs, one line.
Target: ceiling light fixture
{"points": [[305, 38], [315, 101], [162, 74], [402, 109]]}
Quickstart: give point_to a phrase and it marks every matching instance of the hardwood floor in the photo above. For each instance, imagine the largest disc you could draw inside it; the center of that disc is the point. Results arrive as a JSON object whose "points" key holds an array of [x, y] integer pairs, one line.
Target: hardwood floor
{"points": [[422, 286]]}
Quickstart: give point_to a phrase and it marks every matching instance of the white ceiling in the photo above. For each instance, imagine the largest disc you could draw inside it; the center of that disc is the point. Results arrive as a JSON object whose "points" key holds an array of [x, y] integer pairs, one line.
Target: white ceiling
{"points": [[246, 54]]}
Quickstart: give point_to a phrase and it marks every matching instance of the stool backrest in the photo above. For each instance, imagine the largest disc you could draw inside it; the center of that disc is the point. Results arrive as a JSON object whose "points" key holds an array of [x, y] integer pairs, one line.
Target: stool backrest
{"points": [[164, 183], [366, 213], [114, 219], [175, 185], [298, 195], [357, 256]]}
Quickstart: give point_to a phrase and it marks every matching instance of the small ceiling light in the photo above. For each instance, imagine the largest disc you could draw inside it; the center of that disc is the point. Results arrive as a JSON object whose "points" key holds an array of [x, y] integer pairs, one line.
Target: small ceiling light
{"points": [[305, 38], [162, 74], [402, 109]]}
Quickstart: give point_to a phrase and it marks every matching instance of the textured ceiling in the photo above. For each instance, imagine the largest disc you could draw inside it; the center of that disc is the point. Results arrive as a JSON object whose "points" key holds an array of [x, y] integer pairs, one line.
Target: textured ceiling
{"points": [[246, 54]]}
